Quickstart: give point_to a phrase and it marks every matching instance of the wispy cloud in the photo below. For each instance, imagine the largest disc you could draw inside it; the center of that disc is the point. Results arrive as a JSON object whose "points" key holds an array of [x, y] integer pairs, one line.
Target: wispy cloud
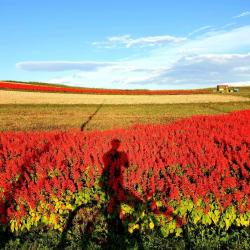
{"points": [[243, 14], [219, 41], [54, 66], [128, 42], [203, 28]]}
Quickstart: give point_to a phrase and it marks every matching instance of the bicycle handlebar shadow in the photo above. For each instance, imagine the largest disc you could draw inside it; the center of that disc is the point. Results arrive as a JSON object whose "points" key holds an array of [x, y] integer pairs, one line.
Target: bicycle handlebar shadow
{"points": [[90, 117]]}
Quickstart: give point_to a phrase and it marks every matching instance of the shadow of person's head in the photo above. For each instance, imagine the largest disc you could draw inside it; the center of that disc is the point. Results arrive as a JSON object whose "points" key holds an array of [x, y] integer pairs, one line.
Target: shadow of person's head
{"points": [[115, 144]]}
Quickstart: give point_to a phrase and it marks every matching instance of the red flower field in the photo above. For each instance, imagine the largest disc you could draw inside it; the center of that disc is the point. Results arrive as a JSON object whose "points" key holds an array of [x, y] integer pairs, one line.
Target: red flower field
{"points": [[203, 161]]}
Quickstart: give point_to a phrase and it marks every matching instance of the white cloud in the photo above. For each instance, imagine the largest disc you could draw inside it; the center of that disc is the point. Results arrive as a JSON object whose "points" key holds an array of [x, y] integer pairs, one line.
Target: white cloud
{"points": [[238, 84], [187, 72], [221, 41], [202, 70], [61, 65], [202, 61], [128, 42], [115, 76], [243, 14]]}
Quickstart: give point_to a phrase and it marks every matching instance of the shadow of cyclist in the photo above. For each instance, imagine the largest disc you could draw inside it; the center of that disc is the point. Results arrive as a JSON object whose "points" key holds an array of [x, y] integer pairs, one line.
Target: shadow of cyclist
{"points": [[115, 163], [112, 179]]}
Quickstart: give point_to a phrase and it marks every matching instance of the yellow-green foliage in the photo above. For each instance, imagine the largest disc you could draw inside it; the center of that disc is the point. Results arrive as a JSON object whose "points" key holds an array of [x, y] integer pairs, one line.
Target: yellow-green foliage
{"points": [[194, 215], [139, 217], [55, 213]]}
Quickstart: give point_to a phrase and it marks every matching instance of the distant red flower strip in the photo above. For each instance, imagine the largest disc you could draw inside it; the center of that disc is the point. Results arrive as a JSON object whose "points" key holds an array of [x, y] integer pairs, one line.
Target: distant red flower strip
{"points": [[44, 88]]}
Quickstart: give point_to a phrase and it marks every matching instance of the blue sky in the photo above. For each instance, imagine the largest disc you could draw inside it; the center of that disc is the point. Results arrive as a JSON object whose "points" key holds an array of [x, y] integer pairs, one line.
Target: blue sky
{"points": [[126, 44]]}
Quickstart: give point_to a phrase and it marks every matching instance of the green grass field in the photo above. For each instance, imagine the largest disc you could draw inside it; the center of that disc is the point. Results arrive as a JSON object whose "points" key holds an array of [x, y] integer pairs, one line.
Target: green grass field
{"points": [[63, 117]]}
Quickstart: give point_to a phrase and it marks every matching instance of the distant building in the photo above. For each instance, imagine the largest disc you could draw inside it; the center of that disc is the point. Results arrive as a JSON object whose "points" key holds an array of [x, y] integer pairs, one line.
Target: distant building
{"points": [[225, 88], [222, 88]]}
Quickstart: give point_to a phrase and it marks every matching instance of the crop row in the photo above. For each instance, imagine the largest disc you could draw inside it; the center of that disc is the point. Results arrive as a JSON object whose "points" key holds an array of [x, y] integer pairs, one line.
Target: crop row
{"points": [[43, 88], [195, 171]]}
